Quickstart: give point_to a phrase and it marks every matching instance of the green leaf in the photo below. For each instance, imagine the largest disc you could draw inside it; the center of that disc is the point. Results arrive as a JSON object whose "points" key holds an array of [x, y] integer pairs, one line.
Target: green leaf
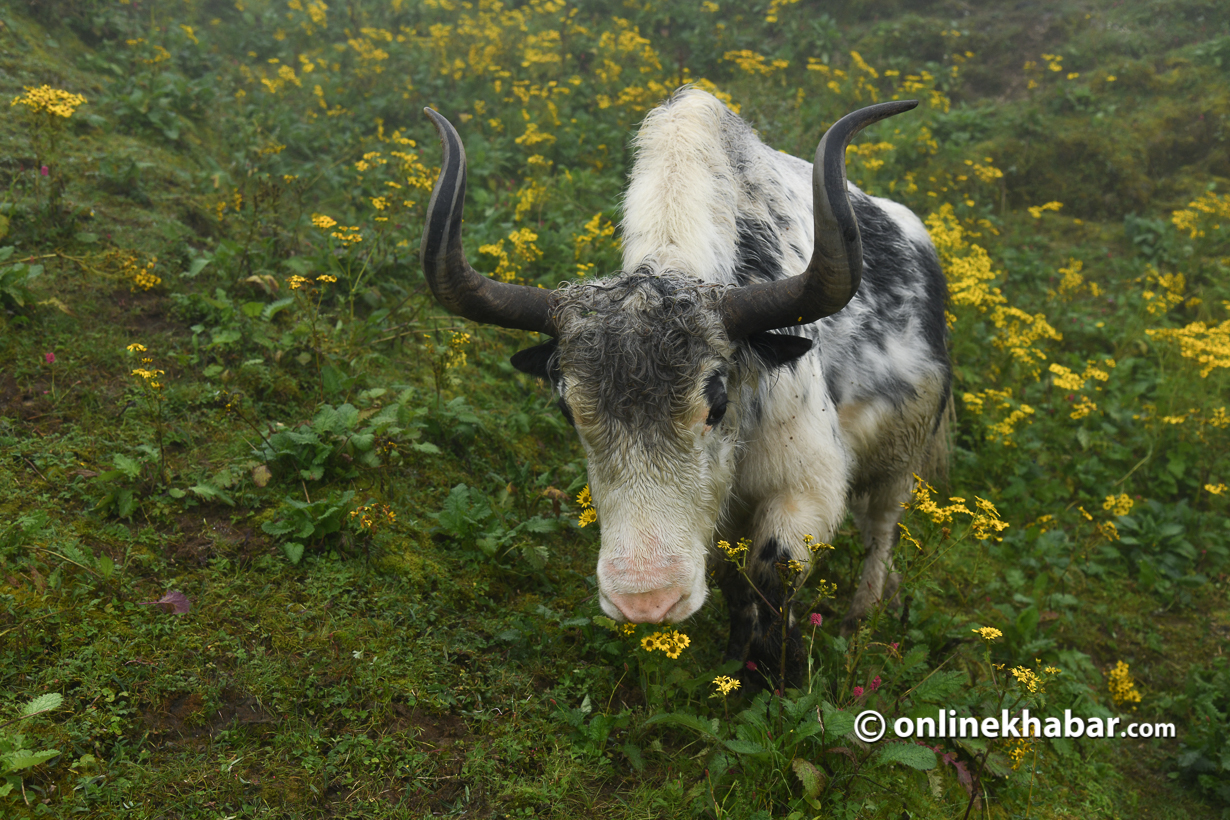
{"points": [[279, 527], [537, 556], [128, 466], [23, 759], [125, 504], [745, 747], [196, 267], [908, 754], [687, 721], [211, 493], [293, 551], [811, 777], [940, 686], [837, 723], [42, 703], [273, 308]]}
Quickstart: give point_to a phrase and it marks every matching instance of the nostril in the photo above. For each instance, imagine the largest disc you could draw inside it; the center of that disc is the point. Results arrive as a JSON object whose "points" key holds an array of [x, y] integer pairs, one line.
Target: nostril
{"points": [[647, 607]]}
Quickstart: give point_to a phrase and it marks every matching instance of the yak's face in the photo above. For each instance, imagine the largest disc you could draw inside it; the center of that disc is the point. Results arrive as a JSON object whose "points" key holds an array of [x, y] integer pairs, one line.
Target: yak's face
{"points": [[647, 376]]}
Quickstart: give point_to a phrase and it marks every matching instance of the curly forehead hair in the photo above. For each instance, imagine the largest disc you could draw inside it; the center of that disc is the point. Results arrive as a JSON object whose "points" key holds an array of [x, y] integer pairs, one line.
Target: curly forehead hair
{"points": [[637, 343]]}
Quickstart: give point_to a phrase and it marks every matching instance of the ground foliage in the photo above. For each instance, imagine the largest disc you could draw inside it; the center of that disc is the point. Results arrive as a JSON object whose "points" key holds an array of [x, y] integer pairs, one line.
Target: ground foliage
{"points": [[280, 538]]}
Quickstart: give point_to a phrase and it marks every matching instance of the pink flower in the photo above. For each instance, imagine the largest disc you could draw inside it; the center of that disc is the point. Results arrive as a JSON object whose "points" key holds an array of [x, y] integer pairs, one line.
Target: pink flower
{"points": [[858, 692], [816, 619], [44, 170], [751, 665], [50, 358], [875, 683], [894, 646]]}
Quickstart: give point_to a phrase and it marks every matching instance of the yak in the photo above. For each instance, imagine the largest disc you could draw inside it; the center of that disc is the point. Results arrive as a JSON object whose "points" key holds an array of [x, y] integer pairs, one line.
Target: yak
{"points": [[772, 354]]}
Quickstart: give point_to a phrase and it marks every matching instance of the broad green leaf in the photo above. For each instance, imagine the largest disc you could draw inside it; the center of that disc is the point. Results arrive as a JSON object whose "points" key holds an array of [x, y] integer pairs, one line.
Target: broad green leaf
{"points": [[687, 721], [837, 723], [909, 754], [24, 759], [43, 703], [745, 747], [811, 777], [940, 686]]}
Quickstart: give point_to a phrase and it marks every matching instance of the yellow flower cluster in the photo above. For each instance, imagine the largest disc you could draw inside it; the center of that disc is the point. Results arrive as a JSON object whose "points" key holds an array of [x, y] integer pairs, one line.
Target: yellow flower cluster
{"points": [[739, 549], [669, 642], [323, 222], [814, 546], [142, 277], [588, 514], [774, 7], [147, 372], [1019, 332], [987, 173], [966, 264], [507, 268], [1215, 489], [1026, 678], [725, 685], [864, 155], [753, 63], [370, 516], [1205, 213], [1169, 292], [1208, 346], [1073, 281], [984, 524], [999, 400], [594, 232], [1122, 687], [1118, 504], [49, 101], [988, 633], [456, 355], [1036, 210]]}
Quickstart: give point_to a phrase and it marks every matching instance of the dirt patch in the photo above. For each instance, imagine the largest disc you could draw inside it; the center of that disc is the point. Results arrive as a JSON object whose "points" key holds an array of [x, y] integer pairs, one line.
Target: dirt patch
{"points": [[207, 532], [183, 715]]}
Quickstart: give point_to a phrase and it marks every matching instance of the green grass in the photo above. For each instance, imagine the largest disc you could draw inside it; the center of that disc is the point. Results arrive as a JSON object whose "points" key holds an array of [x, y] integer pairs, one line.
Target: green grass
{"points": [[449, 661]]}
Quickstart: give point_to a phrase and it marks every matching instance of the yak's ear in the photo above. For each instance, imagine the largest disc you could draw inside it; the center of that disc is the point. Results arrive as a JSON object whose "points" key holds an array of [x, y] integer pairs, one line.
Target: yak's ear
{"points": [[539, 360], [777, 349]]}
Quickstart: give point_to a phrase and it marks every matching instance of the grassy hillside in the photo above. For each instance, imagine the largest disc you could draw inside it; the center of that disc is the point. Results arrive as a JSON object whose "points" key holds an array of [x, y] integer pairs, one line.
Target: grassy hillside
{"points": [[281, 538]]}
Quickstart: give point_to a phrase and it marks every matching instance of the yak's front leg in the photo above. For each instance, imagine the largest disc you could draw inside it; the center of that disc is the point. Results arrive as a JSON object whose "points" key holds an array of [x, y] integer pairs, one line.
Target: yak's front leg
{"points": [[758, 600]]}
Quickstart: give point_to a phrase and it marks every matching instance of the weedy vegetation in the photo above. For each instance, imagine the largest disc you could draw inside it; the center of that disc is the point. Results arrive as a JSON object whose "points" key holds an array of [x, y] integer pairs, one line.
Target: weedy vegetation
{"points": [[280, 538]]}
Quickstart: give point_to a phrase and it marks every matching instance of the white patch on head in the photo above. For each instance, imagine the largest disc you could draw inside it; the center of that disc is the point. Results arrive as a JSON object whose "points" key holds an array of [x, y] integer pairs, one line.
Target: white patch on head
{"points": [[678, 209]]}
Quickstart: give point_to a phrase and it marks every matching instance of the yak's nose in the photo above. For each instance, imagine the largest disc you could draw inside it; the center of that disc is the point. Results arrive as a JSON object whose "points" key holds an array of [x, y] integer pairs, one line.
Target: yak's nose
{"points": [[647, 607]]}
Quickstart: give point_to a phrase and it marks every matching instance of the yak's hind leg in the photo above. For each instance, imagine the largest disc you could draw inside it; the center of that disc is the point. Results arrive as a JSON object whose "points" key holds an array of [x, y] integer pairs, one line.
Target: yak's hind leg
{"points": [[877, 514]]}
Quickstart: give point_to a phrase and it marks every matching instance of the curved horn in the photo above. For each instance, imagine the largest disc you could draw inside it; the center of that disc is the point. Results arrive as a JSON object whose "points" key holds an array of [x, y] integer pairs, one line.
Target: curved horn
{"points": [[461, 289], [836, 268]]}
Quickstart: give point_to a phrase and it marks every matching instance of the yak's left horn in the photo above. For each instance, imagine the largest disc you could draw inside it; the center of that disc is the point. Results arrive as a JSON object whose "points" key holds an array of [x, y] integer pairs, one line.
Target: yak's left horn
{"points": [[461, 289], [836, 268]]}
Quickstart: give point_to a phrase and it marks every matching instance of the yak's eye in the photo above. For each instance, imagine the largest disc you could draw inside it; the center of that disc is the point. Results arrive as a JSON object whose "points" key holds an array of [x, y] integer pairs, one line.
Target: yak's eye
{"points": [[715, 397]]}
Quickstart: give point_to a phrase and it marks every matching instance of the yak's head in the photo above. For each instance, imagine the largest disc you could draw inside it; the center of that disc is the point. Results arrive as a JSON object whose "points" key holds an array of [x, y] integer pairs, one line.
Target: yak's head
{"points": [[653, 369]]}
